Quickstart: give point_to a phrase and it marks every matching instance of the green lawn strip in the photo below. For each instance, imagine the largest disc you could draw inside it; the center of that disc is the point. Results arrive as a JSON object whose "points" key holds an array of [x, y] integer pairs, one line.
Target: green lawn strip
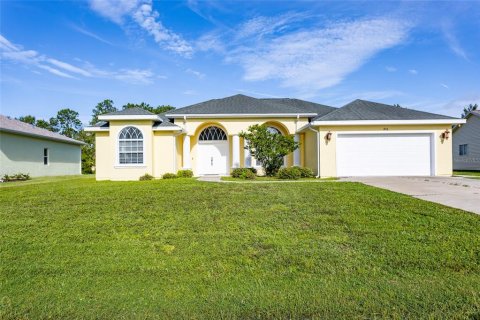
{"points": [[187, 249], [268, 179], [470, 174], [41, 180]]}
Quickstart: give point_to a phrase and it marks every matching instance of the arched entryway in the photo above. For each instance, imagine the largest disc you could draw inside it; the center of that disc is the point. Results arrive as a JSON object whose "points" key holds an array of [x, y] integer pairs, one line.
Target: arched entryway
{"points": [[212, 151]]}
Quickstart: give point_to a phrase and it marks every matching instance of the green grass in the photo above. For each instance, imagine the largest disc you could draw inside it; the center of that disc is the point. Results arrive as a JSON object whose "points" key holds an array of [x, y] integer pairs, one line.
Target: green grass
{"points": [[183, 248], [473, 174], [265, 179]]}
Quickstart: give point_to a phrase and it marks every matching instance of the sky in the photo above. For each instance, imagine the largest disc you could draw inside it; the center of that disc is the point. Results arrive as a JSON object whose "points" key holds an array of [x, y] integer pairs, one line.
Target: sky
{"points": [[74, 54]]}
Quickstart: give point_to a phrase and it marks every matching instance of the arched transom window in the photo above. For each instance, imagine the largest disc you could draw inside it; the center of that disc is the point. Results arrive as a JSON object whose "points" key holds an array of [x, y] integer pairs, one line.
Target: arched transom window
{"points": [[130, 143], [273, 130], [212, 133]]}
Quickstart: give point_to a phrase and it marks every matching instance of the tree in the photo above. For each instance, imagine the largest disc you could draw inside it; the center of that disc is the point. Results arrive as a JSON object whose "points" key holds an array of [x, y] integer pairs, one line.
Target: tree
{"points": [[103, 107], [27, 119], [49, 125], [470, 108], [68, 123], [88, 151], [157, 110], [397, 105], [268, 147]]}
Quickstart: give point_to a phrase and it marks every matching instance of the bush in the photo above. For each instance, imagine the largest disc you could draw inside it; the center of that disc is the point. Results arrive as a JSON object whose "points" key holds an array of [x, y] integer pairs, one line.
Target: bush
{"points": [[185, 173], [292, 173], [237, 172], [248, 175], [169, 176], [146, 177], [306, 172], [16, 177]]}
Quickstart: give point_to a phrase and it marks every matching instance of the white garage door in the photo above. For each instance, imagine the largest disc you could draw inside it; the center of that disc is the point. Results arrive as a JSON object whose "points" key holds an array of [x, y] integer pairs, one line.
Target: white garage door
{"points": [[385, 154]]}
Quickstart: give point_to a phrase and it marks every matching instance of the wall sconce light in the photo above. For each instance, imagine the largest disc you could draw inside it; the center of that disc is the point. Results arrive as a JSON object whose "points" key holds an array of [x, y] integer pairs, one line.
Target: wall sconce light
{"points": [[445, 134], [328, 136]]}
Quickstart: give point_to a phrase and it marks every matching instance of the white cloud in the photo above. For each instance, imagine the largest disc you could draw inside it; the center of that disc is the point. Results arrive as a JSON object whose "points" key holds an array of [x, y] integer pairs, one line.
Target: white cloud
{"points": [[444, 85], [319, 58], [141, 11], [90, 34], [413, 71], [35, 61], [210, 42], [261, 26], [390, 69], [189, 92], [197, 74], [453, 42]]}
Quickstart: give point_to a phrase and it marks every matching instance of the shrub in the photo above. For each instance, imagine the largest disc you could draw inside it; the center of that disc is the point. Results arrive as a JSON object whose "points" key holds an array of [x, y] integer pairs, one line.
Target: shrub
{"points": [[248, 175], [169, 176], [185, 173], [306, 172], [16, 177], [292, 173], [237, 172], [146, 177]]}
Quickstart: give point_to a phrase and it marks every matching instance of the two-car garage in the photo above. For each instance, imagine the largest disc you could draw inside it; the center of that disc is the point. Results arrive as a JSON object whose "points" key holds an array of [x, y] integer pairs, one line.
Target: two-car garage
{"points": [[384, 154]]}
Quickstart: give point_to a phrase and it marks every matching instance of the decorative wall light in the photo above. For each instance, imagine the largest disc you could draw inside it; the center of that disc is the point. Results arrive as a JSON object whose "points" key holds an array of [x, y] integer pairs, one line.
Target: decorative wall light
{"points": [[445, 134], [328, 136]]}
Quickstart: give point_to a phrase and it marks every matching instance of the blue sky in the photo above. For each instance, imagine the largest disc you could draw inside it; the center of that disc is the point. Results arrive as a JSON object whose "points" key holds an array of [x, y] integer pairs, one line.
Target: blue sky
{"points": [[422, 55]]}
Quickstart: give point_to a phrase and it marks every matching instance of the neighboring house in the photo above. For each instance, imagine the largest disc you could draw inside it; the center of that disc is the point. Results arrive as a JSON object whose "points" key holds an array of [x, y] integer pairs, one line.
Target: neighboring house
{"points": [[466, 143], [25, 148], [360, 139]]}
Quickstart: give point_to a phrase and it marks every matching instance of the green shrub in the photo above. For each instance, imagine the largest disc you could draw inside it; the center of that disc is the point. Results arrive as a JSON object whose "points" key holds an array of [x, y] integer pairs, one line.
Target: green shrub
{"points": [[16, 177], [185, 173], [169, 176], [292, 173], [237, 172], [306, 172], [146, 177], [248, 175]]}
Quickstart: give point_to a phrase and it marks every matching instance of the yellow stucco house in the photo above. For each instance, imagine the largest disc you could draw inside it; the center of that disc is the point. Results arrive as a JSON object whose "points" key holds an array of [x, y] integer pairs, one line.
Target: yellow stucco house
{"points": [[361, 138]]}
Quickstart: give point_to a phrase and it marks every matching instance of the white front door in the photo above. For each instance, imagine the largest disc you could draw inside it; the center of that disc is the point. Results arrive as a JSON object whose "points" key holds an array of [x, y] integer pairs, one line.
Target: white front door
{"points": [[212, 157], [384, 154]]}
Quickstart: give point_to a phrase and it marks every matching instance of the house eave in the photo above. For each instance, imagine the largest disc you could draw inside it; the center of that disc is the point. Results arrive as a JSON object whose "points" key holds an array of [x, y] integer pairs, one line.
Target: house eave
{"points": [[242, 115], [128, 117], [385, 122]]}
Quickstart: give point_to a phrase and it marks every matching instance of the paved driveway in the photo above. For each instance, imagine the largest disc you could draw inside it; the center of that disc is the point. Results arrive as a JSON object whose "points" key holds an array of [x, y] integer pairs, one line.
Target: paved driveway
{"points": [[457, 192]]}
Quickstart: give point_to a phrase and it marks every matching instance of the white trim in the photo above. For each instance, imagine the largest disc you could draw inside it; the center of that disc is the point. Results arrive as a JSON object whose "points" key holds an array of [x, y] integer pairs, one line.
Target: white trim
{"points": [[129, 117], [96, 129], [386, 122], [117, 151], [170, 128], [433, 143], [241, 115]]}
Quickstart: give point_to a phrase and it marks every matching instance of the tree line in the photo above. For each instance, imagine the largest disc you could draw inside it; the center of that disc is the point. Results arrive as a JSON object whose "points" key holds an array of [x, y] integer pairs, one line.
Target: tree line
{"points": [[67, 123]]}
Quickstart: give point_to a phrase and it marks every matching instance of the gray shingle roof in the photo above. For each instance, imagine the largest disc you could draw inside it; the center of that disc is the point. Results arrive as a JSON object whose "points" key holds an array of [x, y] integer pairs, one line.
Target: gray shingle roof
{"points": [[136, 111], [241, 104], [19, 127], [367, 110], [164, 123]]}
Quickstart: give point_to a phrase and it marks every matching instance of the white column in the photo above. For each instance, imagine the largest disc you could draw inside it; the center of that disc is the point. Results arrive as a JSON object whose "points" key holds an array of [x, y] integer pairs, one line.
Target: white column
{"points": [[296, 153], [248, 156], [186, 152], [235, 151]]}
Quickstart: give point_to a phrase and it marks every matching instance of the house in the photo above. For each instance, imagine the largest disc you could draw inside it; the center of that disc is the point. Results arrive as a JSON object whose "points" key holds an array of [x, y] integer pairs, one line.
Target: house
{"points": [[466, 143], [361, 138], [27, 149]]}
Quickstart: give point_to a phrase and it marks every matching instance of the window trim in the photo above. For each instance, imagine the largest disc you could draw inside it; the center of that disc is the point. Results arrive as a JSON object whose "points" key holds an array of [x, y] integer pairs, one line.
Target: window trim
{"points": [[126, 165], [46, 156], [463, 149]]}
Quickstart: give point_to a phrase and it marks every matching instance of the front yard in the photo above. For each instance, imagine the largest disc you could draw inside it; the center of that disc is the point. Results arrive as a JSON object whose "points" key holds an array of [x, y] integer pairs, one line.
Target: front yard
{"points": [[76, 248]]}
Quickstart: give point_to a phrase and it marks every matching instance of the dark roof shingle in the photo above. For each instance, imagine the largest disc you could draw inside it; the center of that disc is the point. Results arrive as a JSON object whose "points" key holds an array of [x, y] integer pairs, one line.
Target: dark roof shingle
{"points": [[242, 104], [367, 110], [136, 111]]}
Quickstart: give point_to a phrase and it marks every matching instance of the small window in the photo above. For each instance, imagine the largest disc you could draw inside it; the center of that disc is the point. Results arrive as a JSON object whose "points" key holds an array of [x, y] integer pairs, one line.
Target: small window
{"points": [[45, 156], [463, 149]]}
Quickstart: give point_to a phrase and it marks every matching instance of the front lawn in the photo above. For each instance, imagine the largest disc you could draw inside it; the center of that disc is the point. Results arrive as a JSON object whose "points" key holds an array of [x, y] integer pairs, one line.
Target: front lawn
{"points": [[189, 249], [473, 174]]}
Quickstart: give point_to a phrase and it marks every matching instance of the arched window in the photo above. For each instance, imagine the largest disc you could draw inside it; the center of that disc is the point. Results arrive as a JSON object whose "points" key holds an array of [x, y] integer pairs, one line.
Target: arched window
{"points": [[130, 144], [273, 130], [212, 133]]}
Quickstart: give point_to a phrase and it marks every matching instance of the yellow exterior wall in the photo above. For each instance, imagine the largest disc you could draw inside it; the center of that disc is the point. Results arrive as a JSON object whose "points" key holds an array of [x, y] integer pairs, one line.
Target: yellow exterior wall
{"points": [[310, 150], [164, 153], [328, 161]]}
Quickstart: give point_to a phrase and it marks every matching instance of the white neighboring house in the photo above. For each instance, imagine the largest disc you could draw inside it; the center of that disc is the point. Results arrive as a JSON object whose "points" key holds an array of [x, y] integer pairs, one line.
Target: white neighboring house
{"points": [[38, 152], [466, 143]]}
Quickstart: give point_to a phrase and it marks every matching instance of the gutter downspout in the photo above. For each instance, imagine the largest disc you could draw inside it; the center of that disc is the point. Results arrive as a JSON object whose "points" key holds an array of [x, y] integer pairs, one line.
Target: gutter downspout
{"points": [[318, 150]]}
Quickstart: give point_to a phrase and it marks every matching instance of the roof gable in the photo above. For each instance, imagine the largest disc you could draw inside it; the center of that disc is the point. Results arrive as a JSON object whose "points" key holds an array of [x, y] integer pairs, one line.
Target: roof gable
{"points": [[19, 127]]}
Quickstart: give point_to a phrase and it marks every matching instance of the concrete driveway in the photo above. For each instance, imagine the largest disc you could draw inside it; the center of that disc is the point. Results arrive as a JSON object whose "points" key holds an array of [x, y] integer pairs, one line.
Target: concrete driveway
{"points": [[456, 192]]}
